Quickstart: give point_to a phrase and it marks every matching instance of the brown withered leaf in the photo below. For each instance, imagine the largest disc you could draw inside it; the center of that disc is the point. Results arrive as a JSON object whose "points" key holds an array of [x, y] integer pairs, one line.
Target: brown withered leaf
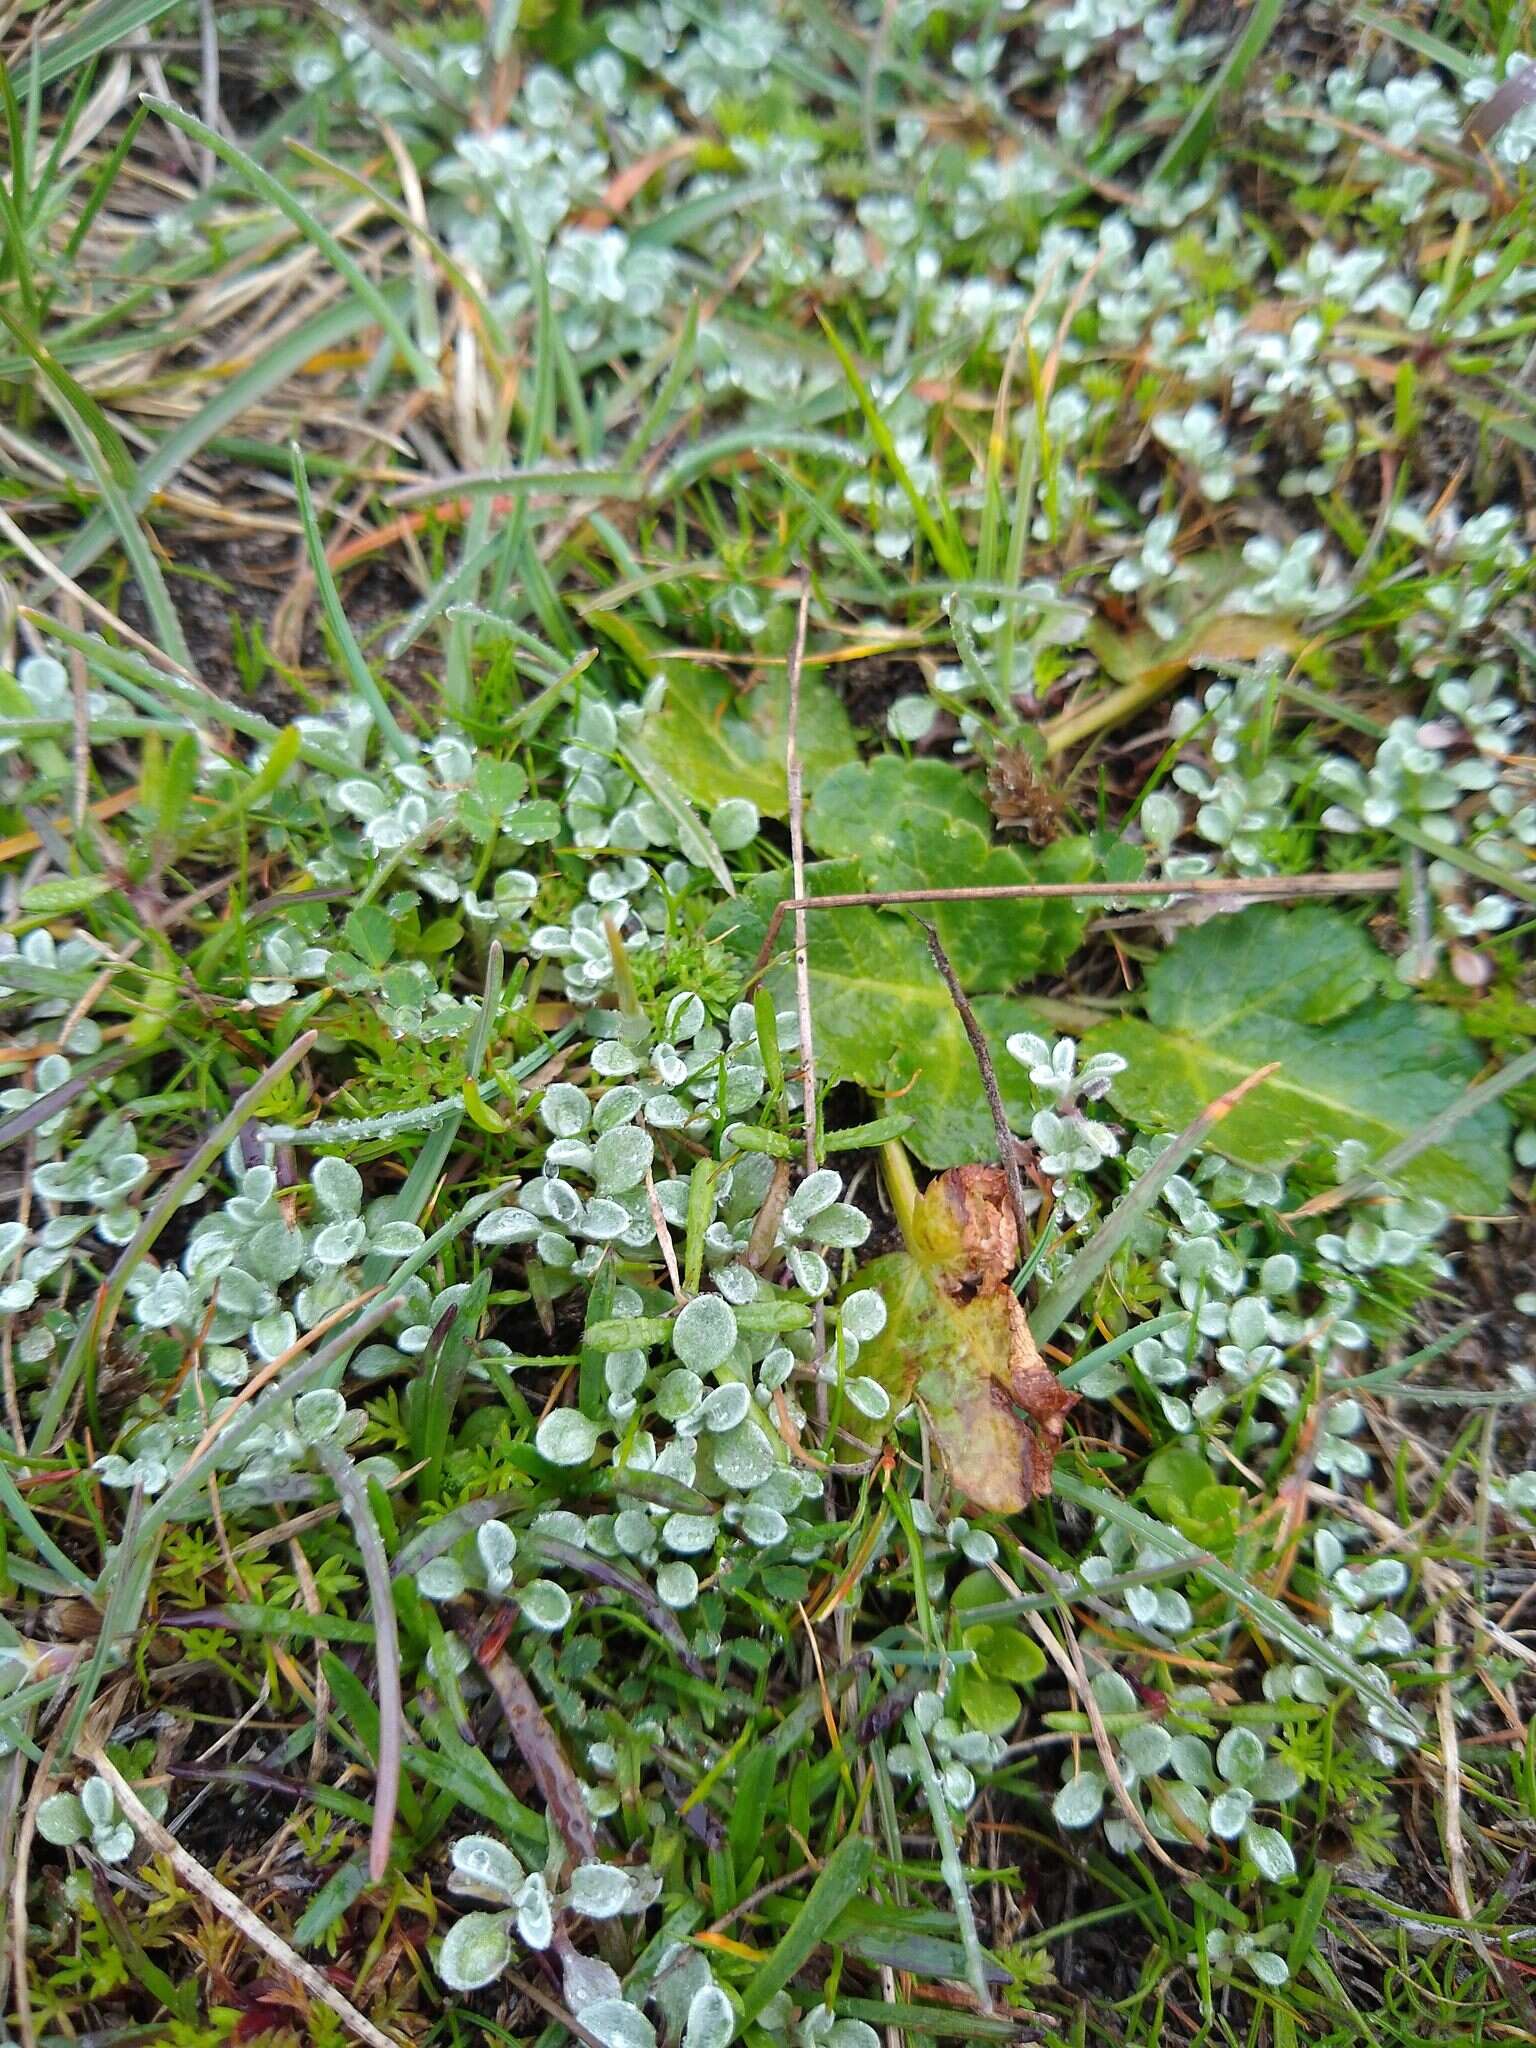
{"points": [[956, 1337]]}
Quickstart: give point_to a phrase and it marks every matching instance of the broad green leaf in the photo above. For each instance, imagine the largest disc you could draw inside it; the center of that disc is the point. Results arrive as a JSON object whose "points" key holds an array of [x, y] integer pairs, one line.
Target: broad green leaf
{"points": [[1303, 987], [882, 1017], [716, 741], [923, 825]]}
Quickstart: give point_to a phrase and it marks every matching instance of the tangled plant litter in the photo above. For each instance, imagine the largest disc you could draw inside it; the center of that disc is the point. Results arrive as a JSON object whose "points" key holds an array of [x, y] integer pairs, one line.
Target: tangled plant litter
{"points": [[467, 1389]]}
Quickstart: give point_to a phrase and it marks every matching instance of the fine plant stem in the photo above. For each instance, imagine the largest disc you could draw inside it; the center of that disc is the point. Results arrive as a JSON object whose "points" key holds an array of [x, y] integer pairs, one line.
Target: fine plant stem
{"points": [[949, 1863]]}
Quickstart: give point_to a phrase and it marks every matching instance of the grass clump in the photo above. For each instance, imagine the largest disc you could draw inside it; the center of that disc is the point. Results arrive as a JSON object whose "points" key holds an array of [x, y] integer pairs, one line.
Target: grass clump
{"points": [[766, 856]]}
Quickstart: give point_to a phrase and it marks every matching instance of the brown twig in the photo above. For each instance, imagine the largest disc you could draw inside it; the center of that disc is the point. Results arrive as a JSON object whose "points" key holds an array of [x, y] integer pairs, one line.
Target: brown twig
{"points": [[1007, 1151], [1369, 882]]}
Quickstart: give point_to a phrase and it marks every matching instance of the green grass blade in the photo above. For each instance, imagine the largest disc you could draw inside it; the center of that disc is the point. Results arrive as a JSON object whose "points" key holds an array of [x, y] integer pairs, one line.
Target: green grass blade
{"points": [[100, 28], [363, 679], [949, 554], [843, 1878]]}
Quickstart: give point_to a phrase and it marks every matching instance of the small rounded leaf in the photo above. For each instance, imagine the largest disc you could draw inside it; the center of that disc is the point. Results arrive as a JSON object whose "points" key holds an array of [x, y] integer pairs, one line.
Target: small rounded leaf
{"points": [[535, 1915], [1192, 1761], [1271, 1853], [1268, 1967], [565, 1110], [1147, 1749], [61, 1820], [1230, 1811], [99, 1805], [441, 1578], [545, 1605], [600, 1890], [704, 1335], [618, 2024], [711, 2019], [338, 1187], [318, 1414], [726, 1406], [496, 1547], [487, 1869], [734, 823], [507, 1226], [677, 1584], [113, 1844], [1240, 1756], [1080, 1801], [475, 1952], [620, 1159], [869, 1397], [864, 1314], [566, 1437]]}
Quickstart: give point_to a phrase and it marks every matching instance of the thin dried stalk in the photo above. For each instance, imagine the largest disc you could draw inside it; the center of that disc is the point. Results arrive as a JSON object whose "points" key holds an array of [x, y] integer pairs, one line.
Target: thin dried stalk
{"points": [[1249, 888], [1007, 1151], [797, 869], [1450, 1753]]}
